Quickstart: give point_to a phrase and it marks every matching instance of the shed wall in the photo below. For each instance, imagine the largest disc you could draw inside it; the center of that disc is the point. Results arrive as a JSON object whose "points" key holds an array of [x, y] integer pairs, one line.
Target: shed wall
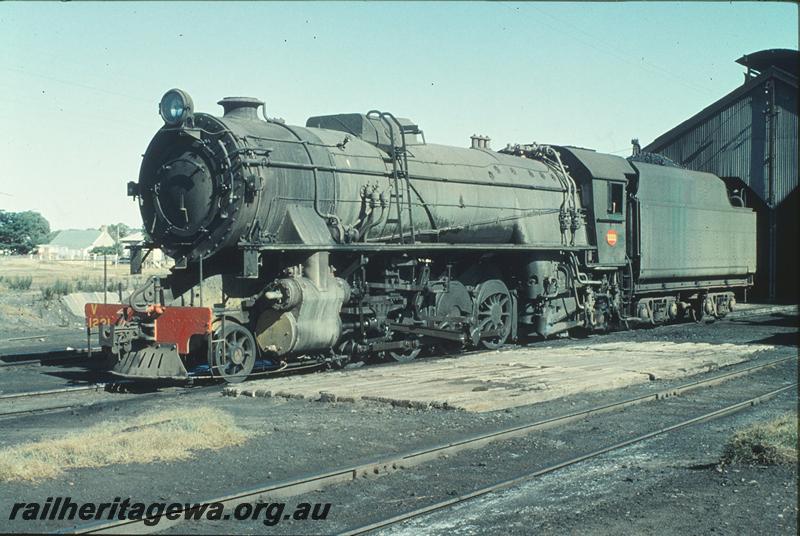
{"points": [[734, 142]]}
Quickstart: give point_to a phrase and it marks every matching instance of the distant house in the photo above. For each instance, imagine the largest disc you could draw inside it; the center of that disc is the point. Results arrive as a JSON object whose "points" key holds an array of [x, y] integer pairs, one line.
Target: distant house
{"points": [[75, 244], [155, 258]]}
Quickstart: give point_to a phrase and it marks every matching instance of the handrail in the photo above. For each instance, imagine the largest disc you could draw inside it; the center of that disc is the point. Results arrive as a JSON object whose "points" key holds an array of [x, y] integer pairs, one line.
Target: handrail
{"points": [[403, 165]]}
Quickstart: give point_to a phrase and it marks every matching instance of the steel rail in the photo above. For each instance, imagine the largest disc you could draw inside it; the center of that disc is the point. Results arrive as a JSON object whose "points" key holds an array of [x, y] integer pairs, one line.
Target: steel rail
{"points": [[723, 412], [55, 356], [395, 462], [48, 409], [93, 387], [28, 394], [31, 394], [26, 338]]}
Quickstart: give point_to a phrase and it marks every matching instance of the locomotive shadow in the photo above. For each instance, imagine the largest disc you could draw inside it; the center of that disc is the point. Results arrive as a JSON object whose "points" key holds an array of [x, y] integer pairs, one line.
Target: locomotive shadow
{"points": [[779, 339], [778, 320], [775, 319], [96, 373]]}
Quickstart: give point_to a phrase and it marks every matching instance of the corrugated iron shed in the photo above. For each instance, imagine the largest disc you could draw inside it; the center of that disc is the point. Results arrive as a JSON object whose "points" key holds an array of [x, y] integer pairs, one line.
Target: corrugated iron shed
{"points": [[733, 136], [751, 135]]}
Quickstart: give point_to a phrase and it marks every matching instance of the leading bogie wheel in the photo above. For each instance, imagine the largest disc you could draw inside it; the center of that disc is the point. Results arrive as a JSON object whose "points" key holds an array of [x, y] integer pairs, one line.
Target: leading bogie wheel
{"points": [[405, 355], [234, 352]]}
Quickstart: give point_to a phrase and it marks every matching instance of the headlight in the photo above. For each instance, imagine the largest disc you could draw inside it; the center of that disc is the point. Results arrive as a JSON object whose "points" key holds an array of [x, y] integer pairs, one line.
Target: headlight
{"points": [[175, 107]]}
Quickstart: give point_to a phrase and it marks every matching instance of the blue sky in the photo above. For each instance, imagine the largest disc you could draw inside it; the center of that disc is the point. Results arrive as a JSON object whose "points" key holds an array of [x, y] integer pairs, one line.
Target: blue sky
{"points": [[80, 82]]}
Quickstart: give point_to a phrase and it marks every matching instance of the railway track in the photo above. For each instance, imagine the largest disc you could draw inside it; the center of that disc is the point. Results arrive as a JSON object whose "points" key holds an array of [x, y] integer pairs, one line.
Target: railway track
{"points": [[121, 385], [530, 343], [49, 392], [396, 462], [109, 387], [443, 505], [46, 393], [67, 355], [45, 356], [73, 355]]}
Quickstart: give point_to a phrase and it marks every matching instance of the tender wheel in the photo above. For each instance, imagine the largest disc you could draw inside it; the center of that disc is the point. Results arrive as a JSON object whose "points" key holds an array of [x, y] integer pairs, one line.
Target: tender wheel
{"points": [[493, 314], [234, 352], [699, 314]]}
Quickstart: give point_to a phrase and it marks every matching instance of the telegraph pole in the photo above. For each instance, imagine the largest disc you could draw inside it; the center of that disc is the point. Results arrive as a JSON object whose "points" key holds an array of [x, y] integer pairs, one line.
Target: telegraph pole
{"points": [[771, 114]]}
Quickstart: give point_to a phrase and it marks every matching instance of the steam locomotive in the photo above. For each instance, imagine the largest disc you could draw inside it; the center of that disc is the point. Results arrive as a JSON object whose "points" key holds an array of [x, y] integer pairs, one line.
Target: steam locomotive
{"points": [[353, 236]]}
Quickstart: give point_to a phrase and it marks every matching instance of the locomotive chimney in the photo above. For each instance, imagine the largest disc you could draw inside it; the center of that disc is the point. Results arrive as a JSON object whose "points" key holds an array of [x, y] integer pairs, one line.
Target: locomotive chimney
{"points": [[240, 107], [479, 142]]}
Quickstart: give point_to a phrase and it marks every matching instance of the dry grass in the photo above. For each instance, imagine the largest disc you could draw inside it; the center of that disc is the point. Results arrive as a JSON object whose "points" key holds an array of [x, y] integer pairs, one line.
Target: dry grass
{"points": [[770, 443], [21, 282], [152, 437], [46, 273]]}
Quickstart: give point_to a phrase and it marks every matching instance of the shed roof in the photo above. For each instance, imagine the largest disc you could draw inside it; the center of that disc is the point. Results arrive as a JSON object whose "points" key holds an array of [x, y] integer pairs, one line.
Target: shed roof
{"points": [[772, 72], [75, 238], [783, 58]]}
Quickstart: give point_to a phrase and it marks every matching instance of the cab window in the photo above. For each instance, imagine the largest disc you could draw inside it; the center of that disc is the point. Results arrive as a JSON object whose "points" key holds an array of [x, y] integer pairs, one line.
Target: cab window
{"points": [[615, 198]]}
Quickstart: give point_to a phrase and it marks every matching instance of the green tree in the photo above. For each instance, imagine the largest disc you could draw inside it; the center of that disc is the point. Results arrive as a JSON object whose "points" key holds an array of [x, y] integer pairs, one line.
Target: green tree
{"points": [[21, 232], [118, 231], [105, 250]]}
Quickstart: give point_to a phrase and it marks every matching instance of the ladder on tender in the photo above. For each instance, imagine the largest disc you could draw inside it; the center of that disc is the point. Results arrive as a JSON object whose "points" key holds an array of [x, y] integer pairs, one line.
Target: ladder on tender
{"points": [[628, 285], [401, 194]]}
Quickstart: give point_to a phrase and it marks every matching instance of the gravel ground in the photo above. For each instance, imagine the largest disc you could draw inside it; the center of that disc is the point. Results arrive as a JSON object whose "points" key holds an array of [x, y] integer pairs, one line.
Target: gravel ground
{"points": [[620, 493], [24, 313], [44, 340], [296, 437], [670, 485], [35, 377]]}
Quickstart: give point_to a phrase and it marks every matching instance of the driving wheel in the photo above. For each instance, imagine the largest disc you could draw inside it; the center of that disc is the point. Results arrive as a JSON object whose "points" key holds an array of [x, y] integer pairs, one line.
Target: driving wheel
{"points": [[493, 314]]}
